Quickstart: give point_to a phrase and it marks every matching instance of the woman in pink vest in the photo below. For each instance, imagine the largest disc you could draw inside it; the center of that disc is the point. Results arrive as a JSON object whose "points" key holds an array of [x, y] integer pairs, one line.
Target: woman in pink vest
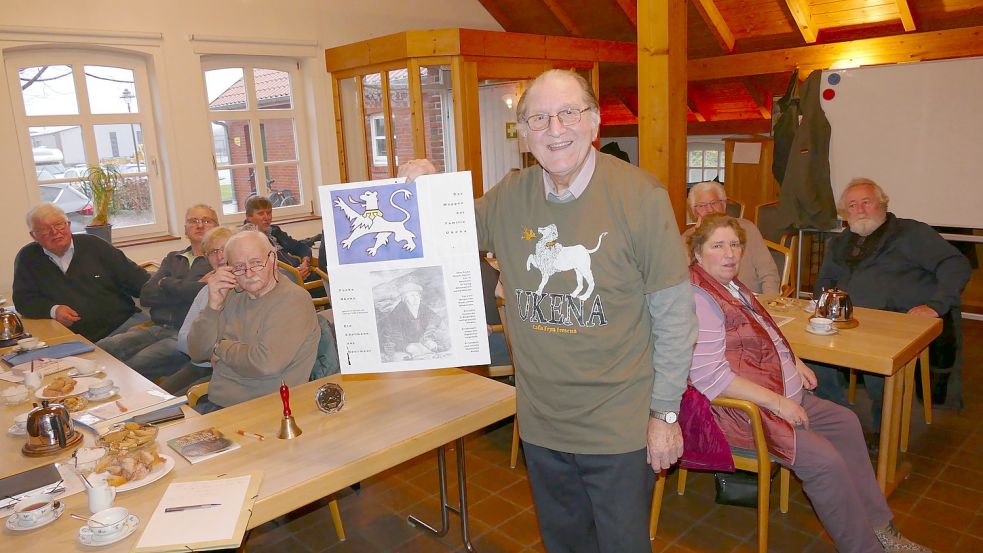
{"points": [[740, 353]]}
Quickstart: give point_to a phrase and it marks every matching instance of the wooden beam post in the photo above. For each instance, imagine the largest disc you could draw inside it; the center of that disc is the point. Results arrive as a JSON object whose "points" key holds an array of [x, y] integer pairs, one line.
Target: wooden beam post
{"points": [[662, 96]]}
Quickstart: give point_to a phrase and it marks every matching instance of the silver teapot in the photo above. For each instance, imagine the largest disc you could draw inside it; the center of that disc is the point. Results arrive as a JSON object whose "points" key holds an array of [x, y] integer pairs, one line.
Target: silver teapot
{"points": [[49, 426], [835, 304], [11, 327]]}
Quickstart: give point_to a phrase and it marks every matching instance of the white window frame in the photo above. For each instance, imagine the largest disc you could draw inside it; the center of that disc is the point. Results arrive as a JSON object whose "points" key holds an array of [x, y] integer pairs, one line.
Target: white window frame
{"points": [[297, 112], [703, 147], [77, 57], [379, 157]]}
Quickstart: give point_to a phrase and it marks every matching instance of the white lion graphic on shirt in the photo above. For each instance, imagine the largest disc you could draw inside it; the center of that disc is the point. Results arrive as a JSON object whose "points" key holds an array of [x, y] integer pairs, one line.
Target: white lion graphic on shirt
{"points": [[552, 257]]}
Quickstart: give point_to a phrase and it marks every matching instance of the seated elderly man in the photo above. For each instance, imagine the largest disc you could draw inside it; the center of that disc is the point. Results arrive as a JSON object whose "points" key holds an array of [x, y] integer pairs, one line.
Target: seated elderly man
{"points": [[152, 350], [79, 280], [259, 211], [894, 264], [758, 270], [255, 330], [411, 329]]}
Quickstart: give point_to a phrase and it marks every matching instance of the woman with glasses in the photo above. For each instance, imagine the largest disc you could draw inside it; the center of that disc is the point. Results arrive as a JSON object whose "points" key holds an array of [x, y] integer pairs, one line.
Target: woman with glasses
{"points": [[255, 330], [758, 269]]}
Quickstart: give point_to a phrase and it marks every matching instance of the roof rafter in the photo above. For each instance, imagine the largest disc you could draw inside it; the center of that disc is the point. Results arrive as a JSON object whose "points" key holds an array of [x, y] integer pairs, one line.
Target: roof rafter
{"points": [[803, 19], [496, 11], [563, 17], [718, 26], [630, 8], [904, 12], [758, 96], [698, 103]]}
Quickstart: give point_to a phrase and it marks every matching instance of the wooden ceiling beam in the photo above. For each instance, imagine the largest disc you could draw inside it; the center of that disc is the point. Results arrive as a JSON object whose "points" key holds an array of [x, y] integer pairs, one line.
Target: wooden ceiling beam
{"points": [[563, 17], [731, 126], [758, 96], [630, 10], [698, 103], [718, 26], [904, 12], [935, 45], [803, 19], [495, 10]]}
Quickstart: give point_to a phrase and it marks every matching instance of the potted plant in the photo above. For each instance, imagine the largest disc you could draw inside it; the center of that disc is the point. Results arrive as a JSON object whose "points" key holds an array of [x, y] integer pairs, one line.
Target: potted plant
{"points": [[100, 183]]}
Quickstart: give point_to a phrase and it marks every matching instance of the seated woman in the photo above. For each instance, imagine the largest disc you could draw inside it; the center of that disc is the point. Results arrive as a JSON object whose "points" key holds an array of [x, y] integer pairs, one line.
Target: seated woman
{"points": [[255, 330], [740, 353]]}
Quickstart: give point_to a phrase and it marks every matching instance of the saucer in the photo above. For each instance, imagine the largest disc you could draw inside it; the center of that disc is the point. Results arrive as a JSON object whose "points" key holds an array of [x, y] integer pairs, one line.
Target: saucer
{"points": [[13, 431], [13, 524], [830, 332], [108, 394], [86, 537]]}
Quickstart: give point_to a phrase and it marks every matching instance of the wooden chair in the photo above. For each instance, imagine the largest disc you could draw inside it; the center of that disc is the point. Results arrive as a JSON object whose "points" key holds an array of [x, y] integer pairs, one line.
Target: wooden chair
{"points": [[198, 391], [783, 259], [766, 219], [150, 266], [758, 461], [735, 208], [319, 303]]}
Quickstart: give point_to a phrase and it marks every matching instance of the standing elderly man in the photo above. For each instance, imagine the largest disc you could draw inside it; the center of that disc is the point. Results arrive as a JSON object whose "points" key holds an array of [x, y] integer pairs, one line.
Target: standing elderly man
{"points": [[255, 330], [152, 350], [602, 352], [894, 264], [81, 281], [758, 270]]}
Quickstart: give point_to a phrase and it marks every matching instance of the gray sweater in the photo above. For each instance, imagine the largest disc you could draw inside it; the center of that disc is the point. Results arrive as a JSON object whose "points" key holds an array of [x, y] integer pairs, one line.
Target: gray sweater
{"points": [[257, 342]]}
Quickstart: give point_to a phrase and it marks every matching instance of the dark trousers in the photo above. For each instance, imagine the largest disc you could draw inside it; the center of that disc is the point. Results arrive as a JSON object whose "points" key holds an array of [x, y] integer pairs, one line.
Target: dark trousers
{"points": [[591, 503]]}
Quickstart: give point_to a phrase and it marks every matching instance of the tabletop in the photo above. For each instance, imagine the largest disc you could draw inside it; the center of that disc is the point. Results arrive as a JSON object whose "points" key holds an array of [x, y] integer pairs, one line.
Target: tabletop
{"points": [[882, 343], [387, 419]]}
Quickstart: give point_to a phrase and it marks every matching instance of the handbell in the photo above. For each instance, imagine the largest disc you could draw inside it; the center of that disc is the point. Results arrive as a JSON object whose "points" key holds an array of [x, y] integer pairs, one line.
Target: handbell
{"points": [[289, 428]]}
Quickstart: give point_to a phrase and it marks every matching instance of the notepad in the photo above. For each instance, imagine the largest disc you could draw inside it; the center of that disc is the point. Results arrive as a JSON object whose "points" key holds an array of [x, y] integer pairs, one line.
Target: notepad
{"points": [[218, 519]]}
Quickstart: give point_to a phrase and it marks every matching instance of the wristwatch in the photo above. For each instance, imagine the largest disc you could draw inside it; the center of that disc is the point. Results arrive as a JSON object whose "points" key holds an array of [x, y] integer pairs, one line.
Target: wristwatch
{"points": [[669, 417]]}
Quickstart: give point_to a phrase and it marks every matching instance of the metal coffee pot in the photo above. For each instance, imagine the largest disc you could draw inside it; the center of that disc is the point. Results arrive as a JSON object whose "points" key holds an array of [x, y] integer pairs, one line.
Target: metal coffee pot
{"points": [[835, 304], [50, 429], [11, 327]]}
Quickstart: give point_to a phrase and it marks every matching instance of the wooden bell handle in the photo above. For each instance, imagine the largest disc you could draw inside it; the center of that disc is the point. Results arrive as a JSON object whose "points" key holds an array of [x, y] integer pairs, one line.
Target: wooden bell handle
{"points": [[285, 396]]}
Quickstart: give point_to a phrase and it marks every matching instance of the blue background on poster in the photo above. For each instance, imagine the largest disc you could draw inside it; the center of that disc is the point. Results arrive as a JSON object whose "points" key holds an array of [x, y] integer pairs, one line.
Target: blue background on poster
{"points": [[394, 249]]}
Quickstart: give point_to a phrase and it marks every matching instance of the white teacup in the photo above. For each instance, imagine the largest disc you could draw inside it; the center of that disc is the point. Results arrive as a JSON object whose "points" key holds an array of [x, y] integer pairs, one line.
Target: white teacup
{"points": [[821, 324], [108, 521], [101, 388], [85, 367], [20, 422], [34, 509], [28, 343], [15, 394]]}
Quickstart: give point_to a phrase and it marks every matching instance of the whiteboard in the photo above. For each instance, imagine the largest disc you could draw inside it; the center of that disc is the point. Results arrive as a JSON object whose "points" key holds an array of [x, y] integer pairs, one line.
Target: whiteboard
{"points": [[917, 130]]}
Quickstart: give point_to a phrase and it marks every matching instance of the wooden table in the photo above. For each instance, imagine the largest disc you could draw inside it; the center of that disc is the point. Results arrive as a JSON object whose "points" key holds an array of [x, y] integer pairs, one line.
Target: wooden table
{"points": [[136, 393], [387, 419], [885, 343]]}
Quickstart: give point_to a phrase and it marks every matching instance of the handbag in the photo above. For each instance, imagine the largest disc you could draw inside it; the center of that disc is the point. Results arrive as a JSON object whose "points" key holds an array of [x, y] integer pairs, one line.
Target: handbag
{"points": [[738, 488], [704, 444]]}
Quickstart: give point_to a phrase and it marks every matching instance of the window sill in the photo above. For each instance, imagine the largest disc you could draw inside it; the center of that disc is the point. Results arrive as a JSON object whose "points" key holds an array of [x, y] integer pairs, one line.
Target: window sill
{"points": [[297, 219], [143, 241]]}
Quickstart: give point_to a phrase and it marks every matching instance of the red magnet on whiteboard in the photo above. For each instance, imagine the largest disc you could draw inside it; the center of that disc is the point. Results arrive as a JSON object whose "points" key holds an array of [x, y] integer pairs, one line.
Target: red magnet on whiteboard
{"points": [[828, 94]]}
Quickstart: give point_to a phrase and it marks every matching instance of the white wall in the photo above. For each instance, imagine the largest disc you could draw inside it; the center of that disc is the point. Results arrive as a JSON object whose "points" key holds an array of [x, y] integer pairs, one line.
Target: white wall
{"points": [[176, 73]]}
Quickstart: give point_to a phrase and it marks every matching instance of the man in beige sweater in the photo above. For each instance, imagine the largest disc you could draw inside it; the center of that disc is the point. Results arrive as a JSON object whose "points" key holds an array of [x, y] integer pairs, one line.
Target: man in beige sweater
{"points": [[255, 330], [758, 270]]}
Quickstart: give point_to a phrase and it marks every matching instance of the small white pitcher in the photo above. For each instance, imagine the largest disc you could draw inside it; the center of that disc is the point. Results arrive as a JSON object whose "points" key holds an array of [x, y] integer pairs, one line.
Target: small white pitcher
{"points": [[101, 496]]}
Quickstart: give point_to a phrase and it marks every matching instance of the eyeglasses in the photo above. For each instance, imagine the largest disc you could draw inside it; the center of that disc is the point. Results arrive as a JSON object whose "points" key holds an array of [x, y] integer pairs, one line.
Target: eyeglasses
{"points": [[215, 251], [200, 221], [51, 230], [705, 205], [566, 117], [254, 266]]}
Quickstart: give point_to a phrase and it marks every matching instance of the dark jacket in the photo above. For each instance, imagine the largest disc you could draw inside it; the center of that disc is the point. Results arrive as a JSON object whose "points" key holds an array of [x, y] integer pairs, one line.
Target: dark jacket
{"points": [[171, 290], [287, 245], [912, 266], [100, 285], [806, 198]]}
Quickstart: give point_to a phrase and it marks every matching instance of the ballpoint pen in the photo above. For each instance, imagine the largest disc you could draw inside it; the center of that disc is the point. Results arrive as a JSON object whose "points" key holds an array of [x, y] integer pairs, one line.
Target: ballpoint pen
{"points": [[190, 507]]}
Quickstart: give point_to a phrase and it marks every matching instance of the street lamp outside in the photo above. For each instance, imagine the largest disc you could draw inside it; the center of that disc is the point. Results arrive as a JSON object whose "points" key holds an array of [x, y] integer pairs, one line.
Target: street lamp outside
{"points": [[127, 98]]}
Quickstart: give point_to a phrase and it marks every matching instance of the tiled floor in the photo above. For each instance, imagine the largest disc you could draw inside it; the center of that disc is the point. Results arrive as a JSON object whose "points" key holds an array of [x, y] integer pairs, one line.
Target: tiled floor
{"points": [[939, 505]]}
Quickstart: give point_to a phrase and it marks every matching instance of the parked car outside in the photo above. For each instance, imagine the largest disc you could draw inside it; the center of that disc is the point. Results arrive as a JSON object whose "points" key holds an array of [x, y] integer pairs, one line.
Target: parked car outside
{"points": [[75, 204]]}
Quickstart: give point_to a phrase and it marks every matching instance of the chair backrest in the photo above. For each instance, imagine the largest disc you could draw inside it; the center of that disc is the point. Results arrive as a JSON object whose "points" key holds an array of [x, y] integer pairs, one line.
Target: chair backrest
{"points": [[326, 363], [783, 260], [766, 219], [735, 209]]}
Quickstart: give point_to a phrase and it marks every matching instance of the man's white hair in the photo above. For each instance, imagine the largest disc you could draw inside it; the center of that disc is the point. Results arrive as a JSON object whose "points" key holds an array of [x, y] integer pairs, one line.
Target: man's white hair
{"points": [[238, 239], [43, 210], [201, 206], [882, 198], [705, 186]]}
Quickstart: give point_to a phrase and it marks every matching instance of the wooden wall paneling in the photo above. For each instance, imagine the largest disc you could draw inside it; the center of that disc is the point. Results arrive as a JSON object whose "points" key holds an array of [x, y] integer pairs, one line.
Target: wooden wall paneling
{"points": [[662, 97], [750, 184], [923, 46]]}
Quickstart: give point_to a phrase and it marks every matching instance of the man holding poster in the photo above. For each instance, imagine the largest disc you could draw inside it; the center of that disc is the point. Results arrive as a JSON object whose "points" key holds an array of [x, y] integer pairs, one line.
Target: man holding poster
{"points": [[601, 320]]}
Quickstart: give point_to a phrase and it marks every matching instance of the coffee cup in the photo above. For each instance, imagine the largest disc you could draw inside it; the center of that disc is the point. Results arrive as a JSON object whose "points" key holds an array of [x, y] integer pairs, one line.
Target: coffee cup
{"points": [[108, 521], [27, 344], [101, 388], [34, 509], [821, 324], [20, 422], [85, 367], [15, 394]]}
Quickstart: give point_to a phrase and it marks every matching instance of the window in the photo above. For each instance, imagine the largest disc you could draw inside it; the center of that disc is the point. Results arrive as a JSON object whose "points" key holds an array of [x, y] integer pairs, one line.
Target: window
{"points": [[255, 131], [84, 107], [705, 162], [377, 129]]}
